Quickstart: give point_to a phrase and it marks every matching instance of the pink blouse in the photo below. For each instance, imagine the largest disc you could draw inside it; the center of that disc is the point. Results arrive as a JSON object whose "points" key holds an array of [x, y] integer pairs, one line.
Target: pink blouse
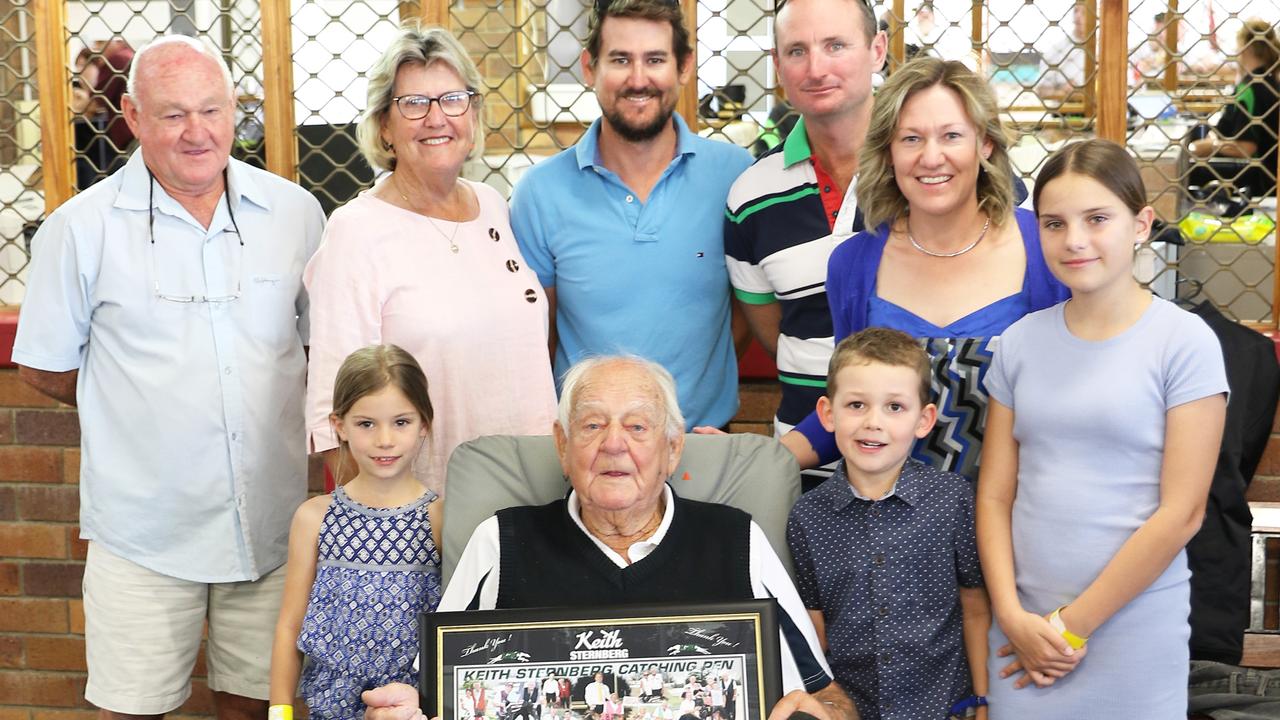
{"points": [[476, 320]]}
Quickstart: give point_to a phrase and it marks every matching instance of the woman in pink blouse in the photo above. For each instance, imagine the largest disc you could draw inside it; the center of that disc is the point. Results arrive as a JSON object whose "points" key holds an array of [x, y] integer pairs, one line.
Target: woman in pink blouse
{"points": [[426, 260]]}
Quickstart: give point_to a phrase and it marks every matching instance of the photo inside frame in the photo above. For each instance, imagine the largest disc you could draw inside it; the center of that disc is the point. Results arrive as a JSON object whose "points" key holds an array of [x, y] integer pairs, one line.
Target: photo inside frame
{"points": [[711, 662]]}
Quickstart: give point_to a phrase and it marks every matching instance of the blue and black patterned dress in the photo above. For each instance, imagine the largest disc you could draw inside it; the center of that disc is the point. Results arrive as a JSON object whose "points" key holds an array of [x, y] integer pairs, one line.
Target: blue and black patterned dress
{"points": [[376, 570]]}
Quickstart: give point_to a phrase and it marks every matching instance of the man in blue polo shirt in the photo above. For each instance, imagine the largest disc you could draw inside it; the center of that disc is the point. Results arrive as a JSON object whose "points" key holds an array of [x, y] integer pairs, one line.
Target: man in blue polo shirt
{"points": [[625, 229]]}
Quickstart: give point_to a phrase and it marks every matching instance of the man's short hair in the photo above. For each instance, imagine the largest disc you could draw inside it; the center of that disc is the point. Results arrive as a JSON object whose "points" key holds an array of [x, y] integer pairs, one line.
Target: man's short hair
{"points": [[200, 45], [667, 11], [658, 375], [884, 346], [869, 25]]}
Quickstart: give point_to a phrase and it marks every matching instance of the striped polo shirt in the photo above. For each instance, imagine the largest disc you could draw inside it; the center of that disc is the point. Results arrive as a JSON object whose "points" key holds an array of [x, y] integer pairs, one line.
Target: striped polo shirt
{"points": [[784, 217]]}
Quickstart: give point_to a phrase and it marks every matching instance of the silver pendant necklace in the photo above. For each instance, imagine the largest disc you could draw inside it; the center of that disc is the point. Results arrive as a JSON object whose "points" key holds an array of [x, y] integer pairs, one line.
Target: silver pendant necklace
{"points": [[452, 245], [957, 253]]}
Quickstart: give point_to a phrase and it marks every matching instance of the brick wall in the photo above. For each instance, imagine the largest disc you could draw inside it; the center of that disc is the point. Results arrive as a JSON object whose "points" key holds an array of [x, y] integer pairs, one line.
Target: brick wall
{"points": [[42, 671]]}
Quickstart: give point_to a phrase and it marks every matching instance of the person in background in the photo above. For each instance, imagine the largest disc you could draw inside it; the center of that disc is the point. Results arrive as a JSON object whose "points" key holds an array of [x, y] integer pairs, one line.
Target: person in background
{"points": [[102, 136], [1196, 56], [426, 260], [625, 229], [1249, 124], [167, 303], [1063, 54]]}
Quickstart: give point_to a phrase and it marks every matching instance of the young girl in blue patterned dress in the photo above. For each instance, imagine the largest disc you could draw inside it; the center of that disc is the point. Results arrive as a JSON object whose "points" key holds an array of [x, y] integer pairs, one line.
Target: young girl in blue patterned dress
{"points": [[364, 561], [1105, 419]]}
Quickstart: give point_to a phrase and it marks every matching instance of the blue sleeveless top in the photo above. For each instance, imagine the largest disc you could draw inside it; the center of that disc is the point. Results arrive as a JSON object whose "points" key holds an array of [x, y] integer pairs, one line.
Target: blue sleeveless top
{"points": [[961, 351], [376, 570], [960, 354]]}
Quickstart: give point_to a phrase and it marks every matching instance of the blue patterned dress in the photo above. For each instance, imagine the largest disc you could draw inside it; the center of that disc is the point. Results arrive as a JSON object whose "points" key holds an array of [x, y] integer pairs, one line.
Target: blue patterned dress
{"points": [[375, 571]]}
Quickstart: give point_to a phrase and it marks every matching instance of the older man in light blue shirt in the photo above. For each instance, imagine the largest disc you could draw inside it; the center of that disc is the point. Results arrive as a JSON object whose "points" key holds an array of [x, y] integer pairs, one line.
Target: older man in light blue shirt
{"points": [[167, 303]]}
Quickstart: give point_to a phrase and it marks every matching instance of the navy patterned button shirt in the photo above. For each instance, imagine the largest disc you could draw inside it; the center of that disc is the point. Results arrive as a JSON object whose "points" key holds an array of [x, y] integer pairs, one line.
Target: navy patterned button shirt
{"points": [[886, 576]]}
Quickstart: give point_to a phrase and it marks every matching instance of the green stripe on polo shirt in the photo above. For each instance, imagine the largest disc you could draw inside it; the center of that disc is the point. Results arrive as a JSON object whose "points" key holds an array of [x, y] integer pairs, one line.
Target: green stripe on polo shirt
{"points": [[796, 147], [800, 380], [751, 209], [751, 298]]}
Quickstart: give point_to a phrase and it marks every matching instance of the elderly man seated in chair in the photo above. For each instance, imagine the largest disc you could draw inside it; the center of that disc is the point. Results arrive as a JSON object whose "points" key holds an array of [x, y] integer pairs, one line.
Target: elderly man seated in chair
{"points": [[623, 536]]}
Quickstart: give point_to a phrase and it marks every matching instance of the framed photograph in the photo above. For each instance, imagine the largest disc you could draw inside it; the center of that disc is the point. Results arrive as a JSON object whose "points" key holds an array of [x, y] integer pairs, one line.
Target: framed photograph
{"points": [[634, 662]]}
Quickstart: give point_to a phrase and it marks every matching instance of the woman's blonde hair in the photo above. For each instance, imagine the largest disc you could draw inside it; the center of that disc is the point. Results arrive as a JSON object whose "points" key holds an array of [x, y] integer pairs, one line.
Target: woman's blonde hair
{"points": [[879, 197], [1259, 37], [418, 45]]}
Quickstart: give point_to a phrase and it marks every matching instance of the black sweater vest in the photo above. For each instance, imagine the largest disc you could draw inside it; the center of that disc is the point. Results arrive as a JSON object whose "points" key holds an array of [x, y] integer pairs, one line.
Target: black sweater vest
{"points": [[547, 561]]}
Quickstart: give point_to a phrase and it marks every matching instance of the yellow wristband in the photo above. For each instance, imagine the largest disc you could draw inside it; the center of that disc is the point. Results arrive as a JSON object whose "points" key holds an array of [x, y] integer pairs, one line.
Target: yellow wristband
{"points": [[1055, 621], [280, 712]]}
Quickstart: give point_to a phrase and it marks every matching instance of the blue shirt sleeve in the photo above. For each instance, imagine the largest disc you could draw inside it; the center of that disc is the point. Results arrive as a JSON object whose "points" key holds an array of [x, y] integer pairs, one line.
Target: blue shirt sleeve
{"points": [[53, 327], [1195, 368], [527, 223]]}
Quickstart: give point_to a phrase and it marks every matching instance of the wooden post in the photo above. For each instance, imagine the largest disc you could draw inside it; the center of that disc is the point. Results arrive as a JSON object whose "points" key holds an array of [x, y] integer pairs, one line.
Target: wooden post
{"points": [[1171, 43], [1112, 62], [687, 104], [1090, 57], [277, 90], [897, 35], [975, 28], [436, 12], [56, 143]]}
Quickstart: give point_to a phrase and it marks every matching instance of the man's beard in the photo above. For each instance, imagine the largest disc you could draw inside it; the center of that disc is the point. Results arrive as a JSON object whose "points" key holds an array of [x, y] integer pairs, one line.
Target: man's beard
{"points": [[639, 133]]}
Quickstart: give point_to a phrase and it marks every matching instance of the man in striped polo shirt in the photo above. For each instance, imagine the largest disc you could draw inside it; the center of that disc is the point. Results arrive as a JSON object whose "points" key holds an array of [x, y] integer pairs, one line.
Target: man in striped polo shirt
{"points": [[790, 209]]}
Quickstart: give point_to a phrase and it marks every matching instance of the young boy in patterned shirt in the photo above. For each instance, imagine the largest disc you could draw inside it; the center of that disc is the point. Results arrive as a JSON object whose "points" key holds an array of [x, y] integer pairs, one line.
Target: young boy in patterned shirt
{"points": [[885, 552]]}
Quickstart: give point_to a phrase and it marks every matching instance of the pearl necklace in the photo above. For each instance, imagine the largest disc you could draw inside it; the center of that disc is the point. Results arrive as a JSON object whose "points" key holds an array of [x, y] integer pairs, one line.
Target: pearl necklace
{"points": [[957, 253], [452, 245]]}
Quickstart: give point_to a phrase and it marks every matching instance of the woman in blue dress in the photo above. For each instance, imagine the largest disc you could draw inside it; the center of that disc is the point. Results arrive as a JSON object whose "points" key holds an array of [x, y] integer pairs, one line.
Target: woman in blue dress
{"points": [[950, 261], [1103, 429]]}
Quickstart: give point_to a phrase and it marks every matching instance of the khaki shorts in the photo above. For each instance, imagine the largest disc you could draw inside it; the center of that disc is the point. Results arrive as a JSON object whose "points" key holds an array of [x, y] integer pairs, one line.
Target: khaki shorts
{"points": [[143, 630]]}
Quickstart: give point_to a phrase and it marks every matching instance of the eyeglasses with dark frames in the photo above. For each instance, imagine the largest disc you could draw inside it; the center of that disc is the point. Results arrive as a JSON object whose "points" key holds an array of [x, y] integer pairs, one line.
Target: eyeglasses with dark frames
{"points": [[453, 104], [151, 248]]}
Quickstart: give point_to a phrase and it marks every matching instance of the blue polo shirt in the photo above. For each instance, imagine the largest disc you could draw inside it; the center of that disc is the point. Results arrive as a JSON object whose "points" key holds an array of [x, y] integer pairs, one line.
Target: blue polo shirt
{"points": [[647, 278], [886, 575]]}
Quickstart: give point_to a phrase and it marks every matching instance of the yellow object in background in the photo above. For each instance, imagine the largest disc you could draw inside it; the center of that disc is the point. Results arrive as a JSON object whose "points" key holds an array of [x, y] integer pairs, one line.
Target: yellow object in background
{"points": [[1199, 227]]}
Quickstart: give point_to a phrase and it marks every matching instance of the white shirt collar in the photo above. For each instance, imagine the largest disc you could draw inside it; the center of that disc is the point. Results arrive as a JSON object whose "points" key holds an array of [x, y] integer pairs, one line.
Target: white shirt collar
{"points": [[638, 550]]}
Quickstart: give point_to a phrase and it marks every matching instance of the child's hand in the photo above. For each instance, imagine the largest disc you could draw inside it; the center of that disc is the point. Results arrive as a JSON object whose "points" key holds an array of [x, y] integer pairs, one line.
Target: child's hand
{"points": [[1042, 653]]}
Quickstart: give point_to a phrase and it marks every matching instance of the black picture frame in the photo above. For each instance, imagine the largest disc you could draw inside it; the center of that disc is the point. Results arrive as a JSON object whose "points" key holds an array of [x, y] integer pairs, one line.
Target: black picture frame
{"points": [[463, 653]]}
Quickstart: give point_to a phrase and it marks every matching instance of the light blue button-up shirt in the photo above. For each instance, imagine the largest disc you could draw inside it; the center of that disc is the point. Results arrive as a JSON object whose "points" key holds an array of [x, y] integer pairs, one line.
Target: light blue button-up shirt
{"points": [[642, 277], [192, 441]]}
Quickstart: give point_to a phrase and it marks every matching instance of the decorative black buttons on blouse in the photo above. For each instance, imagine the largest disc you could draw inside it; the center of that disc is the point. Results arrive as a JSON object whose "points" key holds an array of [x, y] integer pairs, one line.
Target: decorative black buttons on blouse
{"points": [[531, 295], [513, 266], [493, 233]]}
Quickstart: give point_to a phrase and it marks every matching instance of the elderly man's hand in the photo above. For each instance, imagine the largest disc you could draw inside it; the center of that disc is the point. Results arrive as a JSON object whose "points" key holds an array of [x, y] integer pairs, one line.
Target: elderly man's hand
{"points": [[829, 703], [396, 701]]}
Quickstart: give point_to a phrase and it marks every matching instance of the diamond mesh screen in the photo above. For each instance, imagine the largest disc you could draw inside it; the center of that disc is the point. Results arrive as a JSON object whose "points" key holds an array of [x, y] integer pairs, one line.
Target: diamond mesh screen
{"points": [[1041, 59], [21, 195]]}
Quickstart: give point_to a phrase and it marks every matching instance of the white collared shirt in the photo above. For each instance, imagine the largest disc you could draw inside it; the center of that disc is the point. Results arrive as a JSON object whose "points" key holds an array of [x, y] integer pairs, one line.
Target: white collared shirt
{"points": [[477, 575], [192, 436]]}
